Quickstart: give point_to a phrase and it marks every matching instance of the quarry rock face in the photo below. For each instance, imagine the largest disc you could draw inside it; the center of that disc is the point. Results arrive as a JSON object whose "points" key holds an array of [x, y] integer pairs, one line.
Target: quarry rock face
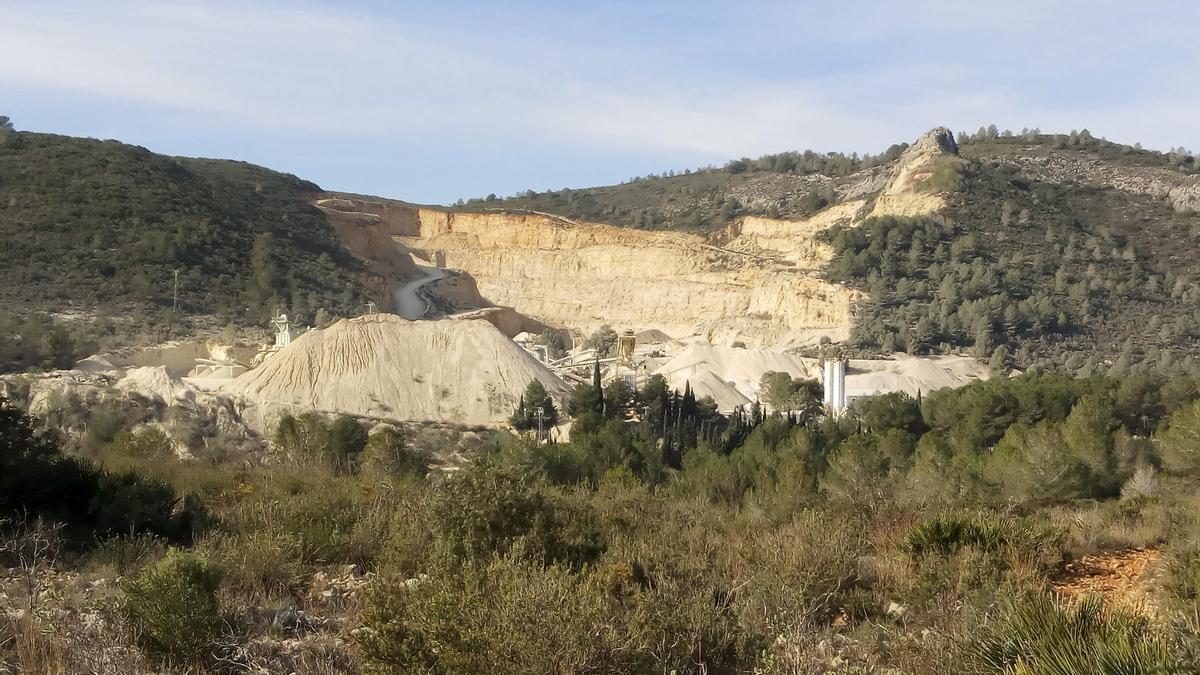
{"points": [[758, 280], [583, 275], [794, 241]]}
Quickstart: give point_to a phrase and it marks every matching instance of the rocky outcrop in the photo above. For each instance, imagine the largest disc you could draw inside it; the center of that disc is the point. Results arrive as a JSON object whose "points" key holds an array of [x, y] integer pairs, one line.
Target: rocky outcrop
{"points": [[177, 358], [1079, 167], [173, 405], [908, 192], [793, 241]]}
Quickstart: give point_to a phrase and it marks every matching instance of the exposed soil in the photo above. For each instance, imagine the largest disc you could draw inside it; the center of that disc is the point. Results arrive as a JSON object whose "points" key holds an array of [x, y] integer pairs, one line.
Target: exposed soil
{"points": [[1127, 578]]}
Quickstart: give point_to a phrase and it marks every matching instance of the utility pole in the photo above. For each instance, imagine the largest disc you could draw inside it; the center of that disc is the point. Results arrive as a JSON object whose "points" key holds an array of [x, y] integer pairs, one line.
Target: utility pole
{"points": [[175, 294], [540, 412], [370, 307]]}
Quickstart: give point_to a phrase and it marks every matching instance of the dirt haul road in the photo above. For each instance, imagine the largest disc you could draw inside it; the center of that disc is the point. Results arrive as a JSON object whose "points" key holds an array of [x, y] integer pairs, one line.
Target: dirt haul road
{"points": [[410, 304]]}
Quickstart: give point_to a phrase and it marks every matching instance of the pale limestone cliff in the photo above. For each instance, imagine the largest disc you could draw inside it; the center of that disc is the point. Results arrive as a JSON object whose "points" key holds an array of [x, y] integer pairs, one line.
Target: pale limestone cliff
{"points": [[583, 275], [793, 241], [908, 193], [368, 235]]}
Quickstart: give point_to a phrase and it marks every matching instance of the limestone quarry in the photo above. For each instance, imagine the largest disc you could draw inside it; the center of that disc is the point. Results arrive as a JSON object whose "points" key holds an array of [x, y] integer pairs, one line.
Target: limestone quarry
{"points": [[722, 309], [757, 281]]}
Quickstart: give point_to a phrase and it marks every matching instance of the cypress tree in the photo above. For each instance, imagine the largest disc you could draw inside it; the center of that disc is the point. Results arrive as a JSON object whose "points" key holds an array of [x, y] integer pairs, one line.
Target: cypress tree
{"points": [[599, 389], [689, 400], [519, 418]]}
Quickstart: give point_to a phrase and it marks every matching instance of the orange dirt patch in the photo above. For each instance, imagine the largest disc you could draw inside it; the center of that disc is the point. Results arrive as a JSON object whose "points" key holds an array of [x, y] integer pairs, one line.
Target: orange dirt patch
{"points": [[1125, 578]]}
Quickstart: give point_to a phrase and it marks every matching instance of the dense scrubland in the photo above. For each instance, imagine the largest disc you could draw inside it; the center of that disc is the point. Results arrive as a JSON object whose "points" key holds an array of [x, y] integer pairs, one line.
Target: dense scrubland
{"points": [[1029, 275], [706, 198], [907, 536], [95, 233]]}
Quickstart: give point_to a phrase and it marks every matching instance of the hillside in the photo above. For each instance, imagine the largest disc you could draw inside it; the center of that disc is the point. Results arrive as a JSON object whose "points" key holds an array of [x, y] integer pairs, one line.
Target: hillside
{"points": [[798, 183], [1058, 252], [94, 231], [1051, 253], [1061, 252], [786, 185]]}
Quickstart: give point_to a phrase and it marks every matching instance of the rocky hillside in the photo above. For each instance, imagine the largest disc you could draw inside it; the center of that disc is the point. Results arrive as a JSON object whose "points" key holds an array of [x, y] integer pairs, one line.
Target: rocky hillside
{"points": [[758, 280], [791, 185], [1060, 252]]}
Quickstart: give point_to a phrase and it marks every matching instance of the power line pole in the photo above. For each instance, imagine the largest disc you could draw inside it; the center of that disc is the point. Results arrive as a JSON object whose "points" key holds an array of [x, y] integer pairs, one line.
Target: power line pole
{"points": [[175, 294]]}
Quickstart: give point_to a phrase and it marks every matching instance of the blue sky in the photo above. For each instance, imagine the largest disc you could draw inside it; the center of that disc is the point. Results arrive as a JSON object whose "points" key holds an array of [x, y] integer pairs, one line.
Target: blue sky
{"points": [[432, 101]]}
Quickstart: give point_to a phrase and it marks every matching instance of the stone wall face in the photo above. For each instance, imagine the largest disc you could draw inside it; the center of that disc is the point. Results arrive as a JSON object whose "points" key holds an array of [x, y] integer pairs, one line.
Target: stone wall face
{"points": [[583, 275]]}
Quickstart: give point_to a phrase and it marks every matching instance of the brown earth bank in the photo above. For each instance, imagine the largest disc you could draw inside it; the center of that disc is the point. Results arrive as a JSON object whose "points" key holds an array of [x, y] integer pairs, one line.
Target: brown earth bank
{"points": [[1126, 578]]}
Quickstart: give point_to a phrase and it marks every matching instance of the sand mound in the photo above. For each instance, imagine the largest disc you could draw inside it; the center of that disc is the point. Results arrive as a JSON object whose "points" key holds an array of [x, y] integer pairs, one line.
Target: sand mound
{"points": [[912, 374], [155, 382], [652, 336], [731, 374], [384, 366]]}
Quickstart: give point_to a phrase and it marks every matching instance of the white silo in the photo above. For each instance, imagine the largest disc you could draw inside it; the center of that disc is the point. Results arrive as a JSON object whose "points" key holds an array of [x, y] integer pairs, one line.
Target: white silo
{"points": [[833, 374]]}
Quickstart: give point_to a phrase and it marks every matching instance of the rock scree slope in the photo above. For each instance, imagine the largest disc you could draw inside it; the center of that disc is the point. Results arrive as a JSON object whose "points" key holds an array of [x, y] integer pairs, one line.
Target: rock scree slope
{"points": [[383, 366]]}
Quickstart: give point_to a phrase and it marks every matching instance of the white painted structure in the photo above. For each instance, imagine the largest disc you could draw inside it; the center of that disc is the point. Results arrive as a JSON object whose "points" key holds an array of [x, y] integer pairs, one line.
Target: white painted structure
{"points": [[283, 331], [833, 373]]}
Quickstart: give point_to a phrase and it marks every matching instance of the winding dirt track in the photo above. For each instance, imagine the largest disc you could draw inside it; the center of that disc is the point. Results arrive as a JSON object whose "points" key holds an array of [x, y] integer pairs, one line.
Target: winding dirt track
{"points": [[410, 304]]}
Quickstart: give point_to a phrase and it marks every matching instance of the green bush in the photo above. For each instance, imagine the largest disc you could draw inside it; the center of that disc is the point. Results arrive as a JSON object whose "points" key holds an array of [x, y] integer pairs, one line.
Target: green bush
{"points": [[258, 564], [148, 443], [487, 509], [387, 454], [127, 553], [172, 608], [1182, 584], [946, 534], [1032, 544], [310, 438], [128, 502], [1040, 635], [1179, 442], [516, 616], [347, 438], [947, 176], [37, 479], [329, 521]]}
